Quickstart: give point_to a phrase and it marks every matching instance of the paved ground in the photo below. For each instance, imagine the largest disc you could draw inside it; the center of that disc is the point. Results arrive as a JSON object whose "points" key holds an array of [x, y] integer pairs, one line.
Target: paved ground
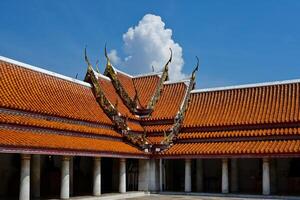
{"points": [[172, 197], [180, 196], [186, 197]]}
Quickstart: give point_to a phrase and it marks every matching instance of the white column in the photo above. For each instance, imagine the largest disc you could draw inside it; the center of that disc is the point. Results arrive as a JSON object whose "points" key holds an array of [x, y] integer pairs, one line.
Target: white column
{"points": [[25, 178], [65, 178], [188, 174], [224, 175], [122, 180], [97, 177], [144, 175], [160, 175], [199, 175], [266, 177], [234, 175], [153, 175], [36, 175]]}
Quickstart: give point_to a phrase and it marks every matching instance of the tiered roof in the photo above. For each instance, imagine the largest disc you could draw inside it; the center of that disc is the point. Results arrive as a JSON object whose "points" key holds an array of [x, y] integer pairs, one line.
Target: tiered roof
{"points": [[250, 120], [163, 117], [120, 115], [246, 105], [43, 112], [33, 91]]}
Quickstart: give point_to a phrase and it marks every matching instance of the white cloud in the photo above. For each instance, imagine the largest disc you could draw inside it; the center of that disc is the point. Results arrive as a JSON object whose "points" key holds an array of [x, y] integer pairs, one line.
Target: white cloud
{"points": [[113, 56], [147, 45]]}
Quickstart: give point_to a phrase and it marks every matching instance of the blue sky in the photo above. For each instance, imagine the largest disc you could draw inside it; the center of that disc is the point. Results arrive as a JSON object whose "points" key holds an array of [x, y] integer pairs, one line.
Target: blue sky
{"points": [[237, 41]]}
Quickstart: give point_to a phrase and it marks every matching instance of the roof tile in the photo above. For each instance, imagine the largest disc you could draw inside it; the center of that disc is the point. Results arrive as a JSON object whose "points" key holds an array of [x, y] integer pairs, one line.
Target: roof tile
{"points": [[112, 95], [145, 86], [28, 139], [169, 103], [26, 120], [24, 89], [257, 105], [241, 133], [234, 148]]}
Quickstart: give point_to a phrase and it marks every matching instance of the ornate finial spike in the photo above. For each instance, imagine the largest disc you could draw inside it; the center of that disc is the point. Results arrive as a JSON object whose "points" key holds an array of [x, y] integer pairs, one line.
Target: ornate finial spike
{"points": [[76, 76], [170, 60], [105, 51], [152, 68], [97, 66], [196, 68], [106, 56], [86, 57], [164, 77]]}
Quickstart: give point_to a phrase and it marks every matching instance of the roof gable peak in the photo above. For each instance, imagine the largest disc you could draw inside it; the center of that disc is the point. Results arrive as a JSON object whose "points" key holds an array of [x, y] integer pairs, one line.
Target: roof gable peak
{"points": [[159, 74], [185, 81]]}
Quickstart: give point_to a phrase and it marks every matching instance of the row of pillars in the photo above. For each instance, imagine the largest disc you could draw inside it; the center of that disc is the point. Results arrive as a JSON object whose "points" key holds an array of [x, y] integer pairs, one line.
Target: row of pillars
{"points": [[65, 177], [225, 179]]}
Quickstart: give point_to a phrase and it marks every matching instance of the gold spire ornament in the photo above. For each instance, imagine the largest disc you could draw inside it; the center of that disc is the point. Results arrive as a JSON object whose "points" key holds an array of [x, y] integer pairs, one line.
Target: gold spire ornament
{"points": [[112, 74], [195, 69], [86, 58], [106, 56], [97, 67], [164, 77], [168, 139]]}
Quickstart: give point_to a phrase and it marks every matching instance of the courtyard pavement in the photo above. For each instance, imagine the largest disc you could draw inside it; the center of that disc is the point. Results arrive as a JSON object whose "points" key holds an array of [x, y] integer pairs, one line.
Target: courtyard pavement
{"points": [[180, 196], [217, 197]]}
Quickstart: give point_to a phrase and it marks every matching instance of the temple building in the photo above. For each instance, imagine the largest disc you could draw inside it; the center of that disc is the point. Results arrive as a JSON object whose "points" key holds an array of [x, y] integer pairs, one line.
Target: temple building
{"points": [[113, 132]]}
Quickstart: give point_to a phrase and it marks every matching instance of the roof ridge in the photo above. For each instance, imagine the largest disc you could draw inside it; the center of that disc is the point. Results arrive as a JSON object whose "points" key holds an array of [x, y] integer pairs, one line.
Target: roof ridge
{"points": [[44, 71], [121, 72], [135, 76], [101, 75], [185, 81], [148, 74], [251, 85]]}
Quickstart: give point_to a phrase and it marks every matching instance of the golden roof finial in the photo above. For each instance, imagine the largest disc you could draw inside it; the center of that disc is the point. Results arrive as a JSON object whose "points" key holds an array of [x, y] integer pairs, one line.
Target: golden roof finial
{"points": [[97, 66], [164, 77], [106, 56], [86, 57], [195, 69], [170, 59]]}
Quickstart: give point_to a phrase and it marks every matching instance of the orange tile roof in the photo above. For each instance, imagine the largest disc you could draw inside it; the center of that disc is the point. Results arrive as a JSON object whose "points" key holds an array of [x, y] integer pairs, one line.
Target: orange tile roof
{"points": [[27, 139], [112, 95], [241, 133], [157, 128], [145, 86], [252, 148], [36, 92], [27, 120], [127, 83], [29, 90], [256, 105], [155, 139], [169, 103], [135, 126]]}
